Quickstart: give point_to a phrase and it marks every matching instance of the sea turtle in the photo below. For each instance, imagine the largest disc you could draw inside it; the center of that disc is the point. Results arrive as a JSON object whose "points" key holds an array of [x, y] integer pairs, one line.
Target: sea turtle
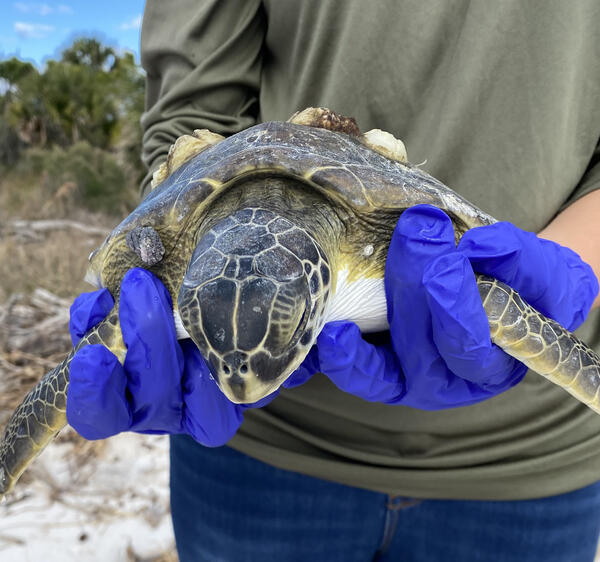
{"points": [[263, 237]]}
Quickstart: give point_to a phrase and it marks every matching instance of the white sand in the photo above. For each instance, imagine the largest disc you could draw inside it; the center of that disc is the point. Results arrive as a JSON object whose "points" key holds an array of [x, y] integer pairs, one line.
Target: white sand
{"points": [[114, 507]]}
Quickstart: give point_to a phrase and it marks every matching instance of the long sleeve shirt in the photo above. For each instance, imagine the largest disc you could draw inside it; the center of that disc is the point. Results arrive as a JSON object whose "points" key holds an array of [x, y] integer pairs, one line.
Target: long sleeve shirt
{"points": [[501, 101]]}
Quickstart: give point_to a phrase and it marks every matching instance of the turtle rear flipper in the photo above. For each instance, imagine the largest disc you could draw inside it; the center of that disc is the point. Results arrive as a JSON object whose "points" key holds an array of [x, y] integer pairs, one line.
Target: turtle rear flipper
{"points": [[540, 343], [36, 421], [43, 412]]}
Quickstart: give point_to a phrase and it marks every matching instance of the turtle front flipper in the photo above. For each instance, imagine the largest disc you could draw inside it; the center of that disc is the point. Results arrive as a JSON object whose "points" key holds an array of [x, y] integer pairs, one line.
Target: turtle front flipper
{"points": [[43, 412], [540, 343]]}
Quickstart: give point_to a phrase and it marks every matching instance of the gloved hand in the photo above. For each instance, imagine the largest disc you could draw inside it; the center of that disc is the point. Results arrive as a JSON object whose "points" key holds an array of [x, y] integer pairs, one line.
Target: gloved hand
{"points": [[164, 385], [441, 355]]}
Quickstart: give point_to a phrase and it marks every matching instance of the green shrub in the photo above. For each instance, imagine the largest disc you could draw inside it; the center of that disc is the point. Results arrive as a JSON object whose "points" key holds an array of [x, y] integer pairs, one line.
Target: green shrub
{"points": [[97, 181]]}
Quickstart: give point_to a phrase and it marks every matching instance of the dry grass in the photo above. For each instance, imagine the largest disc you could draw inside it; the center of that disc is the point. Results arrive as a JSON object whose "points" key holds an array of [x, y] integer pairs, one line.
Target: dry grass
{"points": [[57, 263], [57, 260]]}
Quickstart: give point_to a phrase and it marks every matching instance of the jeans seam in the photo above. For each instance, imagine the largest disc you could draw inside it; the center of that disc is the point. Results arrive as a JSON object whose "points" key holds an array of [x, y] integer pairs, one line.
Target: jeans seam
{"points": [[402, 503], [394, 504]]}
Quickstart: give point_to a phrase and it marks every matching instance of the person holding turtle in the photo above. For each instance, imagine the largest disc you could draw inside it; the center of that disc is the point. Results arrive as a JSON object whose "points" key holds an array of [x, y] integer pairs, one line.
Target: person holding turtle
{"points": [[424, 442]]}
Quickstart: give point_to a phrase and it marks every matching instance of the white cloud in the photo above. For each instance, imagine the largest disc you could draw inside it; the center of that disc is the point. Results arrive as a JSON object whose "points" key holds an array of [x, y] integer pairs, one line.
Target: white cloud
{"points": [[64, 9], [32, 30], [133, 23], [34, 8]]}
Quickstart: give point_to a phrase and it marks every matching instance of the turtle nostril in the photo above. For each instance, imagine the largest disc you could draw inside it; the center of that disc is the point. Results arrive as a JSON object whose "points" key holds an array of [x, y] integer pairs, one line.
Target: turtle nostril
{"points": [[226, 370], [244, 368]]}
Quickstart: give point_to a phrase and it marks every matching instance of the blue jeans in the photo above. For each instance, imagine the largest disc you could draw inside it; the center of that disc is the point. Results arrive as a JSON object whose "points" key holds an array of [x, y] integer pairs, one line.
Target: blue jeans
{"points": [[229, 507]]}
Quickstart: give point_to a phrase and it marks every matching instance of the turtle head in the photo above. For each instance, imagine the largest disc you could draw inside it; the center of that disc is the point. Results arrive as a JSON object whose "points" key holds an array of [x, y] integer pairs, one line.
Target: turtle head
{"points": [[253, 299]]}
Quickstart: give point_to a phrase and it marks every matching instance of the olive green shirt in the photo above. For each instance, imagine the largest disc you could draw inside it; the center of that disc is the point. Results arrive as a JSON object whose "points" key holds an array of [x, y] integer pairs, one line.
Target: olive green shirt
{"points": [[501, 101]]}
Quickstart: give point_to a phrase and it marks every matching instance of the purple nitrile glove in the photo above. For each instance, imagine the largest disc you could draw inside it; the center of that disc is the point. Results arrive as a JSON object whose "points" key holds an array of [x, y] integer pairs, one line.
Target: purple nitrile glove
{"points": [[441, 355], [551, 278], [164, 385]]}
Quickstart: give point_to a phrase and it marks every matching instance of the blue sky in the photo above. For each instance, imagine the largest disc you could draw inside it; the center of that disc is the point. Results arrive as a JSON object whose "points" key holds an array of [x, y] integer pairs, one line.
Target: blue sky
{"points": [[35, 31]]}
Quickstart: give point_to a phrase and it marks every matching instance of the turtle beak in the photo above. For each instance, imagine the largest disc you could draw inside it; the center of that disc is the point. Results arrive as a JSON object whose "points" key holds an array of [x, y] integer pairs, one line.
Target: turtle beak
{"points": [[246, 387], [237, 386]]}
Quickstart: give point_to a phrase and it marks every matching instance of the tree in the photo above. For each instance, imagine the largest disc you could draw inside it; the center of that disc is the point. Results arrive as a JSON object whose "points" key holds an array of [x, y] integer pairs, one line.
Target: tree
{"points": [[91, 93], [91, 53], [13, 70], [13, 73]]}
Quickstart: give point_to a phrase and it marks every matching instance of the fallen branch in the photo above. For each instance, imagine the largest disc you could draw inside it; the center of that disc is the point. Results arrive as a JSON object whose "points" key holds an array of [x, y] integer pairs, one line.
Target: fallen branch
{"points": [[34, 338], [25, 228], [46, 300]]}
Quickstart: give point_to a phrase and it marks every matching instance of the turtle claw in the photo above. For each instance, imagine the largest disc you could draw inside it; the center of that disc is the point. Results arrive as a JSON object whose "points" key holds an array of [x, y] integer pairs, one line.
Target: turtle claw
{"points": [[325, 119], [385, 144], [184, 148]]}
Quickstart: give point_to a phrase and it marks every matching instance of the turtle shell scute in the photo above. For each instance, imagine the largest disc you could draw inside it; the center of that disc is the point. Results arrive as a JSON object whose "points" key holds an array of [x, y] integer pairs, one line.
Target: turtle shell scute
{"points": [[337, 164]]}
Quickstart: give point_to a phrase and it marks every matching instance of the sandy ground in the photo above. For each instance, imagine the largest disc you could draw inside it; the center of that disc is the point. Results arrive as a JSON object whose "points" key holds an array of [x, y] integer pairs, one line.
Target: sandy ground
{"points": [[111, 506]]}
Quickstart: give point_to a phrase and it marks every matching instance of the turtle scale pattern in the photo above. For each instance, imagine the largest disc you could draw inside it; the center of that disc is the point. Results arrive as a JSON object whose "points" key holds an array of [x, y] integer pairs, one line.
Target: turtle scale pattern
{"points": [[239, 327], [43, 412], [358, 183]]}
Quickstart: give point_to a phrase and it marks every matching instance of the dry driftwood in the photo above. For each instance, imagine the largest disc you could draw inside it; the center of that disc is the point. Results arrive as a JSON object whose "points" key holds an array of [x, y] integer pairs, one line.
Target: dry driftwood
{"points": [[34, 337], [35, 325], [30, 231]]}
